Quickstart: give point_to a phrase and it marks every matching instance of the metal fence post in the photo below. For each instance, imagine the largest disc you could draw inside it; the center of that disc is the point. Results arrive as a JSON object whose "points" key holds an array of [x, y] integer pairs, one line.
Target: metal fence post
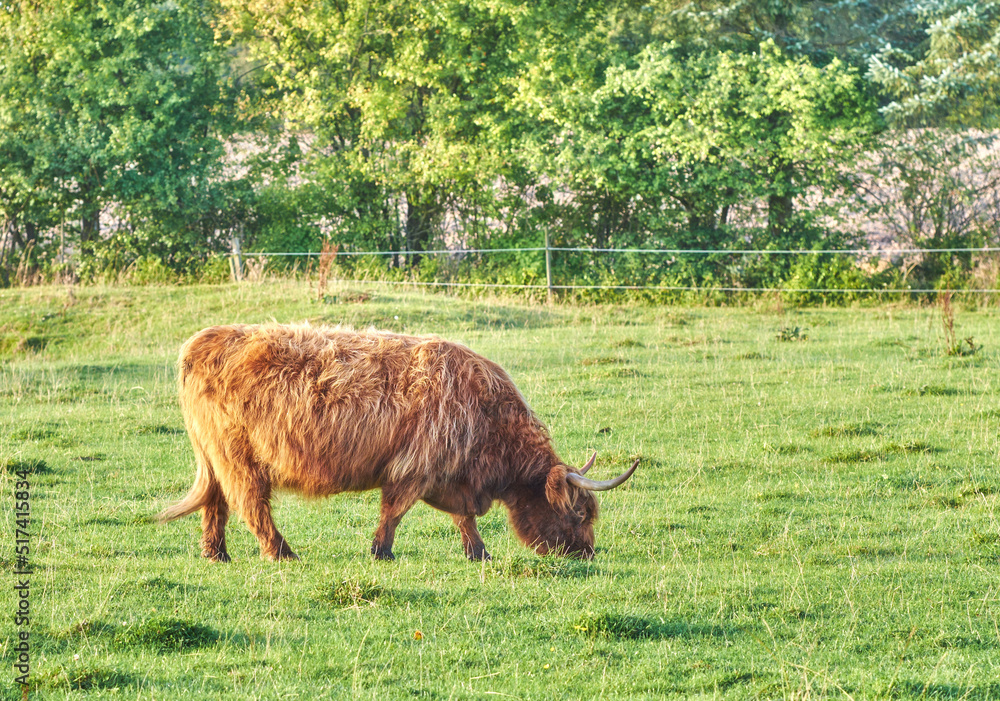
{"points": [[548, 266]]}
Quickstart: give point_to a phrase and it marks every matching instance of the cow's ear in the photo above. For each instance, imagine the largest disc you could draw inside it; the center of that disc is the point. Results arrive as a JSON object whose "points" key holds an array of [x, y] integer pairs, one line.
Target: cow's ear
{"points": [[556, 488]]}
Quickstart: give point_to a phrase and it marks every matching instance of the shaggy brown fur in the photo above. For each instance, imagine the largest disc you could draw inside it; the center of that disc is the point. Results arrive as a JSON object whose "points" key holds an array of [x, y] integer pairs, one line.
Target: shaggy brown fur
{"points": [[322, 410]]}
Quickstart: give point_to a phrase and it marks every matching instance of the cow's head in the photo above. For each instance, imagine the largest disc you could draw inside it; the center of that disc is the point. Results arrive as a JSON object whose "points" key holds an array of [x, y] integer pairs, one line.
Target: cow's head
{"points": [[560, 519]]}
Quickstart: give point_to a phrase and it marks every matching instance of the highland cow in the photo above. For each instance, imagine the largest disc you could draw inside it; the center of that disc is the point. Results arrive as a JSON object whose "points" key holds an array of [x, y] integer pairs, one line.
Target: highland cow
{"points": [[322, 410]]}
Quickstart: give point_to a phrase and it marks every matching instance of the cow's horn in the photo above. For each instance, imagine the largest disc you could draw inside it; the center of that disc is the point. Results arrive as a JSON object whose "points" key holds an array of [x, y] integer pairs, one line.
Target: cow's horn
{"points": [[590, 464], [599, 485]]}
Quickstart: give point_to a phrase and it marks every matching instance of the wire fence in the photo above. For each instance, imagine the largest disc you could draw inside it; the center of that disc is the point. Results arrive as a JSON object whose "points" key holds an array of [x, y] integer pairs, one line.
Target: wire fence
{"points": [[678, 288], [551, 287], [873, 252]]}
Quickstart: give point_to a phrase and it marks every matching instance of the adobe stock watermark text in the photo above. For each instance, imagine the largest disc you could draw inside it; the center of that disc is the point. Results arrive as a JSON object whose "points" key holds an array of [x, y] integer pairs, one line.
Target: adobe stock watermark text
{"points": [[22, 578]]}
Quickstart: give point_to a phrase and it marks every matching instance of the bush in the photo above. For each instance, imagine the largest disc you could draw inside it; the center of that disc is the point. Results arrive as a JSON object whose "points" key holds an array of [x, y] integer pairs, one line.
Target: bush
{"points": [[824, 271], [215, 270], [149, 270]]}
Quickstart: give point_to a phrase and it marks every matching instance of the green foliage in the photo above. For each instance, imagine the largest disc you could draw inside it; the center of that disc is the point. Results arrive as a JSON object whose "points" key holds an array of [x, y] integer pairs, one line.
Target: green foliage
{"points": [[414, 110], [164, 634], [114, 109], [613, 625], [149, 270], [792, 333], [954, 77], [824, 272], [355, 214], [351, 592], [34, 466], [683, 138], [410, 126], [83, 678], [849, 29], [285, 220], [216, 270]]}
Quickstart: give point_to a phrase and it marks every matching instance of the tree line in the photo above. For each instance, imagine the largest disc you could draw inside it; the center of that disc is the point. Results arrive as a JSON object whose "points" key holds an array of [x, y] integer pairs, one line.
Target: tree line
{"points": [[143, 135]]}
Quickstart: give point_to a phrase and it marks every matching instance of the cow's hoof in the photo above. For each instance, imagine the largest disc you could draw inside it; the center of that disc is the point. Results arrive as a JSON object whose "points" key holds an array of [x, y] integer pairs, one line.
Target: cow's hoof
{"points": [[216, 556], [479, 555], [383, 554]]}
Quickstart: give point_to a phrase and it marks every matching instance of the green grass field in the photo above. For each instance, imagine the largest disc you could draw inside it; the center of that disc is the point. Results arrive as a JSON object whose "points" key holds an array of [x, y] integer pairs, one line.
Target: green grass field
{"points": [[815, 515]]}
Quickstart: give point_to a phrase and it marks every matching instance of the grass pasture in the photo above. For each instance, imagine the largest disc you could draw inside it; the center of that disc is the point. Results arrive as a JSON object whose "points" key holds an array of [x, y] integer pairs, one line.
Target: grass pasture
{"points": [[814, 515]]}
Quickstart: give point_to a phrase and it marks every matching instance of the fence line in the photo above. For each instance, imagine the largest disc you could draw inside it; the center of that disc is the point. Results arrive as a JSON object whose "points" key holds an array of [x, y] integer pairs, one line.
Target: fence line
{"points": [[671, 251], [664, 288], [400, 253], [239, 255], [849, 251]]}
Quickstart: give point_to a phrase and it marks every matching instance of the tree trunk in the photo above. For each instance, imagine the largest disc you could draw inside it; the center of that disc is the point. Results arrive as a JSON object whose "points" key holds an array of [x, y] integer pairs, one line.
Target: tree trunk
{"points": [[30, 233], [724, 212], [422, 214], [780, 209], [779, 214], [7, 248], [90, 227], [700, 211], [11, 231]]}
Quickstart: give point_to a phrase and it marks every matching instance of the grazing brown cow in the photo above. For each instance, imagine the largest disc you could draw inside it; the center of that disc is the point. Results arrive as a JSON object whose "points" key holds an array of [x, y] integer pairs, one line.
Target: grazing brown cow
{"points": [[323, 410]]}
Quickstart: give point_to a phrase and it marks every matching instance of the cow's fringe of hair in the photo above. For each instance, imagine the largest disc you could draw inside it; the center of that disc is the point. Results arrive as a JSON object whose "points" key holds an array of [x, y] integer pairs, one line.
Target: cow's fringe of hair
{"points": [[195, 499]]}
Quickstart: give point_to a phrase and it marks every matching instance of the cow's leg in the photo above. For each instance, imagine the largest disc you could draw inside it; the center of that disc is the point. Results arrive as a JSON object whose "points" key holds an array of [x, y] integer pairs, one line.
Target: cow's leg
{"points": [[214, 516], [247, 487], [473, 544], [256, 511], [395, 503], [215, 509]]}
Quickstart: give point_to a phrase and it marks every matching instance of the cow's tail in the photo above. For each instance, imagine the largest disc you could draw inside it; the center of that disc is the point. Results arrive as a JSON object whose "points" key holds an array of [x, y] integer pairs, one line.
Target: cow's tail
{"points": [[196, 498]]}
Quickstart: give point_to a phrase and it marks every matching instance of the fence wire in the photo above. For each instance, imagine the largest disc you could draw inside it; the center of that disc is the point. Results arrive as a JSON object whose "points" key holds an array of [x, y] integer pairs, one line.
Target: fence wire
{"points": [[665, 288], [879, 252], [869, 252]]}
